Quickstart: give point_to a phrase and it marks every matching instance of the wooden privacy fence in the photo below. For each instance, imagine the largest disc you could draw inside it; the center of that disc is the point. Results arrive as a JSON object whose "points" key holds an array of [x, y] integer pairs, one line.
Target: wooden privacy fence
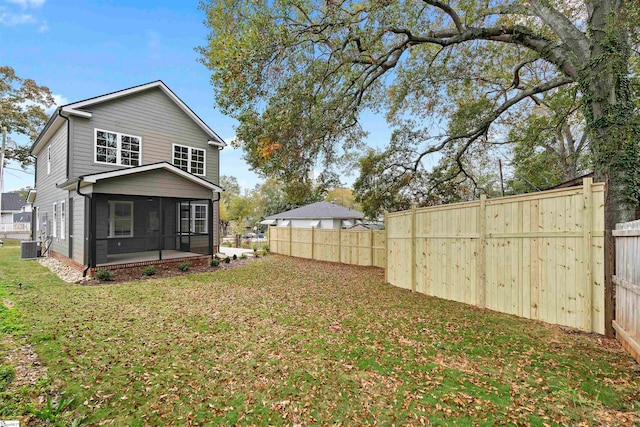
{"points": [[627, 281], [538, 256], [357, 247]]}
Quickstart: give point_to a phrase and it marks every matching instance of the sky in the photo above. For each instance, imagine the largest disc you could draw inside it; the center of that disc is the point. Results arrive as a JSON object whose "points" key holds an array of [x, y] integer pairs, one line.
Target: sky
{"points": [[81, 49]]}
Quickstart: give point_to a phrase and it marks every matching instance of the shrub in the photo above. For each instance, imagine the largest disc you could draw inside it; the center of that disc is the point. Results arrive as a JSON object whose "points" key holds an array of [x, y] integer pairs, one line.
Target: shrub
{"points": [[266, 249], [214, 262], [243, 256], [149, 271], [227, 260], [184, 266], [105, 275], [226, 244], [235, 257]]}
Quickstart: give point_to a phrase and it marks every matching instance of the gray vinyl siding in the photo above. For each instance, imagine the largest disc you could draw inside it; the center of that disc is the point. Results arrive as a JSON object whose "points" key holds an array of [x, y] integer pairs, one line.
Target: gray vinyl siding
{"points": [[150, 115], [160, 183], [48, 193], [78, 228]]}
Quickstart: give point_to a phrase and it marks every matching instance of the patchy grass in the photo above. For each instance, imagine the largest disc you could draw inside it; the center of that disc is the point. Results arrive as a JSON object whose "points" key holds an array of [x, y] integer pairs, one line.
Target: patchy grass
{"points": [[289, 341]]}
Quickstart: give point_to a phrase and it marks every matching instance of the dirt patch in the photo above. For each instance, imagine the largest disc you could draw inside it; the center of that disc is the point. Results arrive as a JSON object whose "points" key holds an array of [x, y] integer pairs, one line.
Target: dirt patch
{"points": [[26, 363]]}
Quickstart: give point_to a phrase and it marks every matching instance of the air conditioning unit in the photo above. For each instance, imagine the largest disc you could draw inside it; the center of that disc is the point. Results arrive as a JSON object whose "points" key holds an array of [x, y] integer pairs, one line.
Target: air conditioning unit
{"points": [[29, 250]]}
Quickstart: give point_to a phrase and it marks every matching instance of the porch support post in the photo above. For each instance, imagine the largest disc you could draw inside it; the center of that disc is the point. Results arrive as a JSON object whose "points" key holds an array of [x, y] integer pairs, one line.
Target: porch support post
{"points": [[190, 228], [93, 242], [162, 229], [210, 227]]}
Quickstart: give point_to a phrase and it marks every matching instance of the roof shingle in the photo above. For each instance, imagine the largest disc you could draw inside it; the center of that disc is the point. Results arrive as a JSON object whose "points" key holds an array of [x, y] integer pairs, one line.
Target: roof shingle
{"points": [[12, 202], [320, 210]]}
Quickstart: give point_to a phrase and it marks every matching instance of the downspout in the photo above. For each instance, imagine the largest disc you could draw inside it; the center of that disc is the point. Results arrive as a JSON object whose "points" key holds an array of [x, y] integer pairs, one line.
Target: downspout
{"points": [[90, 245], [68, 140]]}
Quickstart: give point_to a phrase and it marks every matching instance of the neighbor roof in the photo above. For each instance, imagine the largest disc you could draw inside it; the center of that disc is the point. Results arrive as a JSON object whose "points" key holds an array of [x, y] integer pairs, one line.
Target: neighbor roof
{"points": [[12, 202], [57, 118], [320, 210]]}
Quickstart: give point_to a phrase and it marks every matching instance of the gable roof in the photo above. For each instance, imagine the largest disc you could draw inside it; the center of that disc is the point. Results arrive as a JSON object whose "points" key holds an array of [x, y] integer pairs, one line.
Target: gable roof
{"points": [[95, 177], [12, 202], [321, 210], [62, 112]]}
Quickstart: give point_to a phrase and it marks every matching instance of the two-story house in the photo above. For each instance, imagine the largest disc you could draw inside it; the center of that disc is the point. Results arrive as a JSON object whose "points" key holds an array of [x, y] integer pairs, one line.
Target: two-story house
{"points": [[130, 177]]}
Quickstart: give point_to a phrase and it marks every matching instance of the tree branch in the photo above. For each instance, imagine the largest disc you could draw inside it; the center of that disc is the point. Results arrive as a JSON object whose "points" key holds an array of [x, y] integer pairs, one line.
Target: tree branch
{"points": [[449, 11]]}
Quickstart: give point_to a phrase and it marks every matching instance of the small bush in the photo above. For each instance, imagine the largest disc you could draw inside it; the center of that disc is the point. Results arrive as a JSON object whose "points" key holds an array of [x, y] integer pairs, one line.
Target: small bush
{"points": [[149, 271], [266, 249], [227, 260], [243, 256], [235, 257], [214, 262], [105, 275], [227, 244], [184, 266]]}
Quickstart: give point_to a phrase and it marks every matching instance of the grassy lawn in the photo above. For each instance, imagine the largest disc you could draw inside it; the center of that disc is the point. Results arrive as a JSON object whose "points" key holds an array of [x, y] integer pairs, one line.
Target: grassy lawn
{"points": [[289, 341]]}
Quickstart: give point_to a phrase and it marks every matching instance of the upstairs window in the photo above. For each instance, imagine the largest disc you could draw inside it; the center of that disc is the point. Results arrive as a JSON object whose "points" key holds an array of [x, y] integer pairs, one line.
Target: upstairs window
{"points": [[189, 159], [117, 148]]}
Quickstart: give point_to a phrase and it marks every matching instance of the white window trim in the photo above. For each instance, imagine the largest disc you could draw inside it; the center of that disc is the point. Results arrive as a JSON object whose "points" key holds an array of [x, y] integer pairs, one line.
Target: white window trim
{"points": [[49, 160], [63, 219], [192, 217], [55, 220], [119, 136], [204, 159], [112, 218]]}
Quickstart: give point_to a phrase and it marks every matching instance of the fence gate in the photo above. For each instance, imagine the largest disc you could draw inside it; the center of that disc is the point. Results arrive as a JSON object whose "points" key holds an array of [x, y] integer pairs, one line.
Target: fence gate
{"points": [[627, 281]]}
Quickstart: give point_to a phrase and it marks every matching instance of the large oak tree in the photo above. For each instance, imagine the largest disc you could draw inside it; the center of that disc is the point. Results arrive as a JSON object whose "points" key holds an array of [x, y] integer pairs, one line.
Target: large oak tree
{"points": [[450, 76]]}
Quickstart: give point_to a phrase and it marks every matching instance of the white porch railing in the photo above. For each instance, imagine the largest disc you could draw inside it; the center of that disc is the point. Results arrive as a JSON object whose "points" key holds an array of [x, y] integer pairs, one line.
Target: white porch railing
{"points": [[20, 226]]}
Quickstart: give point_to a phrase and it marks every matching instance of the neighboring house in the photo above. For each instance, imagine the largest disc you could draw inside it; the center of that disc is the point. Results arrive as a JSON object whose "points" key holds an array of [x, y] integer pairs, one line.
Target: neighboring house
{"points": [[325, 215], [10, 205], [130, 176]]}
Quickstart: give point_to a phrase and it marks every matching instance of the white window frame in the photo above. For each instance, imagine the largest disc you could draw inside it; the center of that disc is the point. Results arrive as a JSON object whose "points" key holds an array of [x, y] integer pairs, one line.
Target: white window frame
{"points": [[192, 218], [119, 136], [112, 218], [63, 219], [55, 219], [191, 149], [49, 160]]}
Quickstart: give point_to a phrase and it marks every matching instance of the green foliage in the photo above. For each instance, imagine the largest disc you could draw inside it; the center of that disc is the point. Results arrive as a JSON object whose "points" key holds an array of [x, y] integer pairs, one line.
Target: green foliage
{"points": [[227, 260], [452, 81], [22, 109], [52, 412], [105, 275], [149, 270], [214, 262], [243, 256], [7, 375], [184, 266]]}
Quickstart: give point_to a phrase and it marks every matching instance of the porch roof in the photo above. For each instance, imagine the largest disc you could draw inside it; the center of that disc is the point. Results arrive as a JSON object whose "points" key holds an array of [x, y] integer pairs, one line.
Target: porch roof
{"points": [[95, 178]]}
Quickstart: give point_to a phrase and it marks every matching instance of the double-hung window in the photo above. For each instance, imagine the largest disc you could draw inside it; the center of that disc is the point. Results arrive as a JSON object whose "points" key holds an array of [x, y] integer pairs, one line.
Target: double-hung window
{"points": [[189, 159], [54, 223], [63, 220], [120, 222], [196, 221], [117, 148]]}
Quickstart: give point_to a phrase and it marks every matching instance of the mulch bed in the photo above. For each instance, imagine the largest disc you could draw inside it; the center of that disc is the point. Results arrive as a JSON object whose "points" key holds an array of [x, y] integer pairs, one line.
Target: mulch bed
{"points": [[166, 270]]}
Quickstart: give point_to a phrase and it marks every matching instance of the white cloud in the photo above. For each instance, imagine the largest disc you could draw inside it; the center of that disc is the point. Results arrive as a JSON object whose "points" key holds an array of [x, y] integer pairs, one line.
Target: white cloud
{"points": [[44, 27], [27, 4], [13, 19]]}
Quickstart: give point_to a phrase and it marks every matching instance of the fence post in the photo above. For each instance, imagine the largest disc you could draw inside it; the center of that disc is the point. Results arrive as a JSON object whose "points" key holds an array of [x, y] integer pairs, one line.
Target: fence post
{"points": [[481, 266], [371, 244], [312, 241], [386, 247], [413, 248], [340, 243], [587, 195], [290, 239]]}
